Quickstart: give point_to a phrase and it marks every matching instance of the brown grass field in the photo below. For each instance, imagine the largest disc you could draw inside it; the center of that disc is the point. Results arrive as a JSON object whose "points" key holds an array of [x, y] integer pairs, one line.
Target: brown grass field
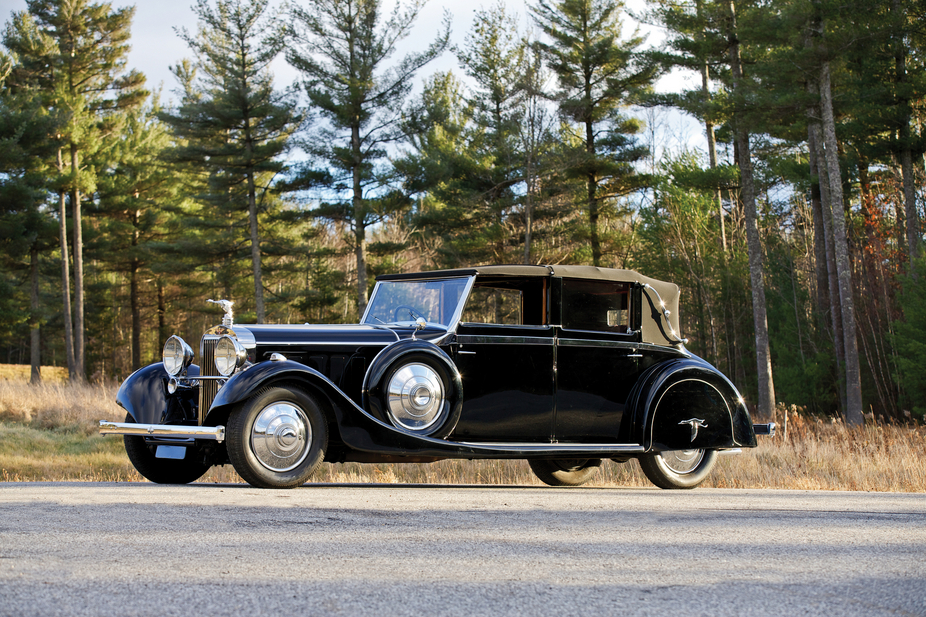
{"points": [[48, 433]]}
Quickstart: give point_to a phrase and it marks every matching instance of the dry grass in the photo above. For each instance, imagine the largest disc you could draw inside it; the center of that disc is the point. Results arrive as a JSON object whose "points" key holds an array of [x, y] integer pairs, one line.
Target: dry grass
{"points": [[58, 405], [22, 372], [49, 433]]}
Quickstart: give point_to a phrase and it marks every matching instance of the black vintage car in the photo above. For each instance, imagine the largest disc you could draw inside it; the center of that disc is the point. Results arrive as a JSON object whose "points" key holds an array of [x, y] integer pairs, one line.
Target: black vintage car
{"points": [[561, 365]]}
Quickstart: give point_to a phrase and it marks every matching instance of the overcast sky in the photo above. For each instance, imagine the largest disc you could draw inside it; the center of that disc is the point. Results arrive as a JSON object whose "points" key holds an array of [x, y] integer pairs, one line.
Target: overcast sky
{"points": [[156, 46]]}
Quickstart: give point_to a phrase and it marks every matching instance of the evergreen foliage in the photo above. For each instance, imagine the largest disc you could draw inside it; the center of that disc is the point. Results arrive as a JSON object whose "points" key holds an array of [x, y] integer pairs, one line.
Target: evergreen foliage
{"points": [[234, 125], [531, 150], [342, 48]]}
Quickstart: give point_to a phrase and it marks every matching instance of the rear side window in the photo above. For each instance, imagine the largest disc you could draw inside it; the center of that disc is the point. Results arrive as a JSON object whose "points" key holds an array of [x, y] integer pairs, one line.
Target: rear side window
{"points": [[492, 305], [602, 306]]}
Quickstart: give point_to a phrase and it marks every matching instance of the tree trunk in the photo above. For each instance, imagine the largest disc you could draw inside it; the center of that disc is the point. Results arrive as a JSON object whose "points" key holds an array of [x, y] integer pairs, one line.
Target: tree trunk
{"points": [[136, 315], [528, 201], [162, 314], [853, 410], [819, 235], [255, 248], [766, 399], [66, 280], [712, 141], [832, 280], [592, 186], [911, 216], [79, 359], [360, 230], [133, 295], [35, 342]]}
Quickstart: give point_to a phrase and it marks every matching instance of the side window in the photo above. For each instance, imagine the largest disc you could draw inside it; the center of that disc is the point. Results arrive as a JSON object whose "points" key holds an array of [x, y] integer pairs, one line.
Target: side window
{"points": [[596, 305], [493, 305]]}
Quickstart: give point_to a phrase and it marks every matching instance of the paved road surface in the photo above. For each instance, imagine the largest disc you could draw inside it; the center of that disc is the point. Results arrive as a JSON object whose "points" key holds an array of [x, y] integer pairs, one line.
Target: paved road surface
{"points": [[385, 550]]}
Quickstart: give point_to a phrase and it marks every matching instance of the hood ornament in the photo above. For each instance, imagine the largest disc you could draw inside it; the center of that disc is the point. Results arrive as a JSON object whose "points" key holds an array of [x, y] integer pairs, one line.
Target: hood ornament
{"points": [[229, 316], [694, 423]]}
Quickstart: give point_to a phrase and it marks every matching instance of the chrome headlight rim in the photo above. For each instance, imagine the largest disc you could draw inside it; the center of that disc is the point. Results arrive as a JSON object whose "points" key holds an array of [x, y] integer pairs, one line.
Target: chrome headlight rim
{"points": [[178, 348], [225, 368]]}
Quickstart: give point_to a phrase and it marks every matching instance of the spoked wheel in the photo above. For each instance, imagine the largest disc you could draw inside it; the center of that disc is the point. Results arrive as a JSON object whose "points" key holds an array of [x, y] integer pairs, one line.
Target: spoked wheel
{"points": [[678, 468], [565, 472], [277, 438], [163, 470]]}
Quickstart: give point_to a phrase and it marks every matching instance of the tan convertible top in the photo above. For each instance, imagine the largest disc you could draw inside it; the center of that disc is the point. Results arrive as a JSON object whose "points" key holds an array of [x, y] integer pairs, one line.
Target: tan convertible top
{"points": [[655, 328]]}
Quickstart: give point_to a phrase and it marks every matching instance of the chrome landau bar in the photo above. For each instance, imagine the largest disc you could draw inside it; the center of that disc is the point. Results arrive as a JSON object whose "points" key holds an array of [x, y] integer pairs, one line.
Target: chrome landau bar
{"points": [[163, 430]]}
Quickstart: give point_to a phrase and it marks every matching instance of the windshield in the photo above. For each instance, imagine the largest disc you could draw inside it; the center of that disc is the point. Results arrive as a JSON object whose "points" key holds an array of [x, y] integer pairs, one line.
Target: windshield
{"points": [[402, 302]]}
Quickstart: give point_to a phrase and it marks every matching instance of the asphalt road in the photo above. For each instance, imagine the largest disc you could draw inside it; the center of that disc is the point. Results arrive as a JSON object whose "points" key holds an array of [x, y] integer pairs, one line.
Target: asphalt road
{"points": [[385, 550]]}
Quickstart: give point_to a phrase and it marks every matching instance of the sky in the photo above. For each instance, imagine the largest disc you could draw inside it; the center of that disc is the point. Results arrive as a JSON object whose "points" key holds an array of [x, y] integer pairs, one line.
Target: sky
{"points": [[156, 46]]}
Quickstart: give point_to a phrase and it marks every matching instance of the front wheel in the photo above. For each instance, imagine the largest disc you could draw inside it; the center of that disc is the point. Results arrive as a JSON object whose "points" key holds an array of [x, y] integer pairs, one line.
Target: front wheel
{"points": [[678, 468], [163, 470], [277, 438], [572, 472]]}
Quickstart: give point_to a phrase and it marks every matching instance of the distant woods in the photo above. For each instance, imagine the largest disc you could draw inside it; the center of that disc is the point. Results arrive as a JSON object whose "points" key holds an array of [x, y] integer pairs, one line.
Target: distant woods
{"points": [[795, 231]]}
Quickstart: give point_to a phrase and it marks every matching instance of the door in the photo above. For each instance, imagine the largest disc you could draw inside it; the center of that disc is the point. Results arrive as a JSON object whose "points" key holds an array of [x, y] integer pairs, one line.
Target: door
{"points": [[597, 362], [506, 364]]}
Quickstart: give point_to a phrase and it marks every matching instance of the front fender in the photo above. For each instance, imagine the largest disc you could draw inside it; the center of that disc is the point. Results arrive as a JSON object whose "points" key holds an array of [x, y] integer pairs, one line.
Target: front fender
{"points": [[674, 396], [144, 393], [242, 385]]}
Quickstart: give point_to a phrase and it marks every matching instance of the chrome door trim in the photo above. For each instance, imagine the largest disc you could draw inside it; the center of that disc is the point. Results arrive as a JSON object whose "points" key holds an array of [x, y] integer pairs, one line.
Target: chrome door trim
{"points": [[503, 339], [631, 346]]}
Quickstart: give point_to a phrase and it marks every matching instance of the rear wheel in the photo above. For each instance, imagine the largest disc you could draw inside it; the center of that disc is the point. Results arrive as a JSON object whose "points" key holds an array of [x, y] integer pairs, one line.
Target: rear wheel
{"points": [[678, 468], [277, 438], [163, 470], [565, 472]]}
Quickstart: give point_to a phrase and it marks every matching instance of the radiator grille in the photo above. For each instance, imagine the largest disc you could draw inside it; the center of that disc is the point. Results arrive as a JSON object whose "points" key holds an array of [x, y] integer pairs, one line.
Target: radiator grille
{"points": [[207, 387]]}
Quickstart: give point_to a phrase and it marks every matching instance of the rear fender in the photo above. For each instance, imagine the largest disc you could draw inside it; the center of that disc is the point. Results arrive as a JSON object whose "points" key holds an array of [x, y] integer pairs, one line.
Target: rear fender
{"points": [[687, 403]]}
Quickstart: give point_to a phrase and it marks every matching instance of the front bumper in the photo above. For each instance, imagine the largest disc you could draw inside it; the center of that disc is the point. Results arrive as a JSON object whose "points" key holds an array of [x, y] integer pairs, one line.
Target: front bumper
{"points": [[216, 433]]}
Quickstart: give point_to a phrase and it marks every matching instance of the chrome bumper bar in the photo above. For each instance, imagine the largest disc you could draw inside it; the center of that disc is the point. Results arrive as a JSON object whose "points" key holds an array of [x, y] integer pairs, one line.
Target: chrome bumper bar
{"points": [[765, 429], [163, 430]]}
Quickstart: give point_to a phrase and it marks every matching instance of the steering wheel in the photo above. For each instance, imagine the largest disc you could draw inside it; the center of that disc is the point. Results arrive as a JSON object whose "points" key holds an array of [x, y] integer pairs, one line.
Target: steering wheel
{"points": [[412, 311]]}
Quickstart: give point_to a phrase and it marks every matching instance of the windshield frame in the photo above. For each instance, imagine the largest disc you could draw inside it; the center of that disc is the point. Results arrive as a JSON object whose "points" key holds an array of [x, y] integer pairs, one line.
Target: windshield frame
{"points": [[457, 313]]}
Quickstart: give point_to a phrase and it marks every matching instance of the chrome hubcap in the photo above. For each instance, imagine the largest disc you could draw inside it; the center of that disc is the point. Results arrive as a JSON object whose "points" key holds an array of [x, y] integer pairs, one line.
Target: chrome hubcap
{"points": [[414, 397], [682, 461], [281, 436]]}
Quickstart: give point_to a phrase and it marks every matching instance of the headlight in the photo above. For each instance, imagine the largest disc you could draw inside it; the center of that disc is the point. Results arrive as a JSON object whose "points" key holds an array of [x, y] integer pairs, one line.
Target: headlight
{"points": [[177, 356], [229, 355]]}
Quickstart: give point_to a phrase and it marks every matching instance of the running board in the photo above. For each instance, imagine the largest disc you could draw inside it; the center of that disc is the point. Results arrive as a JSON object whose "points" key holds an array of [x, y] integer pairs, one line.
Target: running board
{"points": [[564, 450]]}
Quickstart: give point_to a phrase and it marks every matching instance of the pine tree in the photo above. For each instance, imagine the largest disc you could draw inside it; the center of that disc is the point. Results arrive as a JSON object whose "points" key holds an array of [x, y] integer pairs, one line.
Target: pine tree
{"points": [[233, 122], [598, 73], [766, 396], [342, 48], [25, 225], [137, 195], [449, 170], [74, 52], [494, 55]]}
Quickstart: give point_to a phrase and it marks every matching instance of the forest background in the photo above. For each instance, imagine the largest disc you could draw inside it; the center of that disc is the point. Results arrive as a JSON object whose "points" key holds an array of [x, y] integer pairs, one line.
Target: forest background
{"points": [[794, 233]]}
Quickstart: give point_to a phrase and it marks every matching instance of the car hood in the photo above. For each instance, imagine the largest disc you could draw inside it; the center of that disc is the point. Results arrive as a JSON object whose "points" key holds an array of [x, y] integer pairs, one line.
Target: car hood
{"points": [[308, 335]]}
